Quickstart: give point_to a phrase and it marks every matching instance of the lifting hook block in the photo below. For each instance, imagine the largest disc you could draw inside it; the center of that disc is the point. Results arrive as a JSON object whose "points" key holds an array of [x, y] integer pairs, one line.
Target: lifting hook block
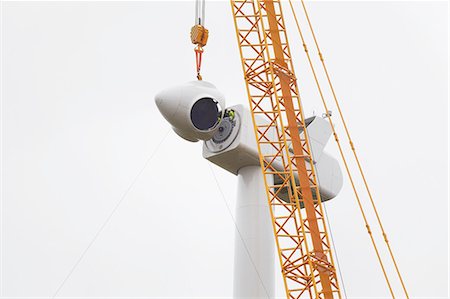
{"points": [[199, 35]]}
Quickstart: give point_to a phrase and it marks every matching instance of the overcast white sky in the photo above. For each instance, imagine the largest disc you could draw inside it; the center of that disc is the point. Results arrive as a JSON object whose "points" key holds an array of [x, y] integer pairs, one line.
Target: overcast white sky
{"points": [[79, 123]]}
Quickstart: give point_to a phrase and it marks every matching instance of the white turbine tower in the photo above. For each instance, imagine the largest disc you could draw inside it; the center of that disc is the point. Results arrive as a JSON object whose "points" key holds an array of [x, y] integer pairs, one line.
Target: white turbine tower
{"points": [[197, 111]]}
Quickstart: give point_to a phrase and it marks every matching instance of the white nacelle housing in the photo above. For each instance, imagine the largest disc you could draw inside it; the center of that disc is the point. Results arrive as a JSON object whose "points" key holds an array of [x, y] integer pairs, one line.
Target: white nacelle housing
{"points": [[194, 109], [234, 146]]}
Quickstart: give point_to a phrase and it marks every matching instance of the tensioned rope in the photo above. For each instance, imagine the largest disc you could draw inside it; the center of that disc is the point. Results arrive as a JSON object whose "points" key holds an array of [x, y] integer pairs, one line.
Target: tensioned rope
{"points": [[380, 261], [330, 84], [341, 150], [102, 227]]}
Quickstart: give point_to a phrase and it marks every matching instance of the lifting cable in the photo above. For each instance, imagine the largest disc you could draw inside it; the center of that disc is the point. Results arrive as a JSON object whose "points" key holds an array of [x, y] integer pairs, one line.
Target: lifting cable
{"points": [[353, 150], [199, 34], [342, 153]]}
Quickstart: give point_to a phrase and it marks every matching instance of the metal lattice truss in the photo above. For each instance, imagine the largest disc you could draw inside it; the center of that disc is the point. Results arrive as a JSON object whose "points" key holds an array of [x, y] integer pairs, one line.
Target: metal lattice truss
{"points": [[299, 225]]}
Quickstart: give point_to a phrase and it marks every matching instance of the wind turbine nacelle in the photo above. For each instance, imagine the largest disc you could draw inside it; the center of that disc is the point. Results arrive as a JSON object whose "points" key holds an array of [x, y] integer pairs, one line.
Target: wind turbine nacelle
{"points": [[234, 146], [194, 109]]}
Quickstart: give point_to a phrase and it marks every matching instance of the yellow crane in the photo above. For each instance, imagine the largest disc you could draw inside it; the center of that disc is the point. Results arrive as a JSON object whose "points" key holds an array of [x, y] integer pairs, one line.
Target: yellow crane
{"points": [[299, 226], [302, 240]]}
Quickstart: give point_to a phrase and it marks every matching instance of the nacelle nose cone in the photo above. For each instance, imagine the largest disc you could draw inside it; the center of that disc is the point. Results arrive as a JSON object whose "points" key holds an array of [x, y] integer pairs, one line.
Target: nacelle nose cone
{"points": [[168, 101], [193, 109]]}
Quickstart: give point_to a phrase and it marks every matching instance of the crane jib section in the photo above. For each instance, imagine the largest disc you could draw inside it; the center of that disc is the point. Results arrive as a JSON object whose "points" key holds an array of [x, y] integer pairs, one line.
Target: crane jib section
{"points": [[299, 225]]}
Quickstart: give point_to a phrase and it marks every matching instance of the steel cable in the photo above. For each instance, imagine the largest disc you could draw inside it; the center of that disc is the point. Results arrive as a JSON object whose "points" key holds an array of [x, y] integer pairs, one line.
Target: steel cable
{"points": [[102, 227], [342, 152], [354, 150]]}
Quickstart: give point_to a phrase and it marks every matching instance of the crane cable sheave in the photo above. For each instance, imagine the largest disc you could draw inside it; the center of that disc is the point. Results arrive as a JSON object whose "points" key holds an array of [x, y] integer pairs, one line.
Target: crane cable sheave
{"points": [[199, 34]]}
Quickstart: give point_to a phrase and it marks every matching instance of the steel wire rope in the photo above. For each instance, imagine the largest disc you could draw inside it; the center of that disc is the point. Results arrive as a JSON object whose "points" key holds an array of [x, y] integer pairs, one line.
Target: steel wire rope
{"points": [[342, 153], [330, 84], [200, 12], [102, 227], [238, 231]]}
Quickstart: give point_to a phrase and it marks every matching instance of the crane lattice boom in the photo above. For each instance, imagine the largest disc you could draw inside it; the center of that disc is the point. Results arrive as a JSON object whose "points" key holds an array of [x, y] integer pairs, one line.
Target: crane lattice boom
{"points": [[299, 225]]}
